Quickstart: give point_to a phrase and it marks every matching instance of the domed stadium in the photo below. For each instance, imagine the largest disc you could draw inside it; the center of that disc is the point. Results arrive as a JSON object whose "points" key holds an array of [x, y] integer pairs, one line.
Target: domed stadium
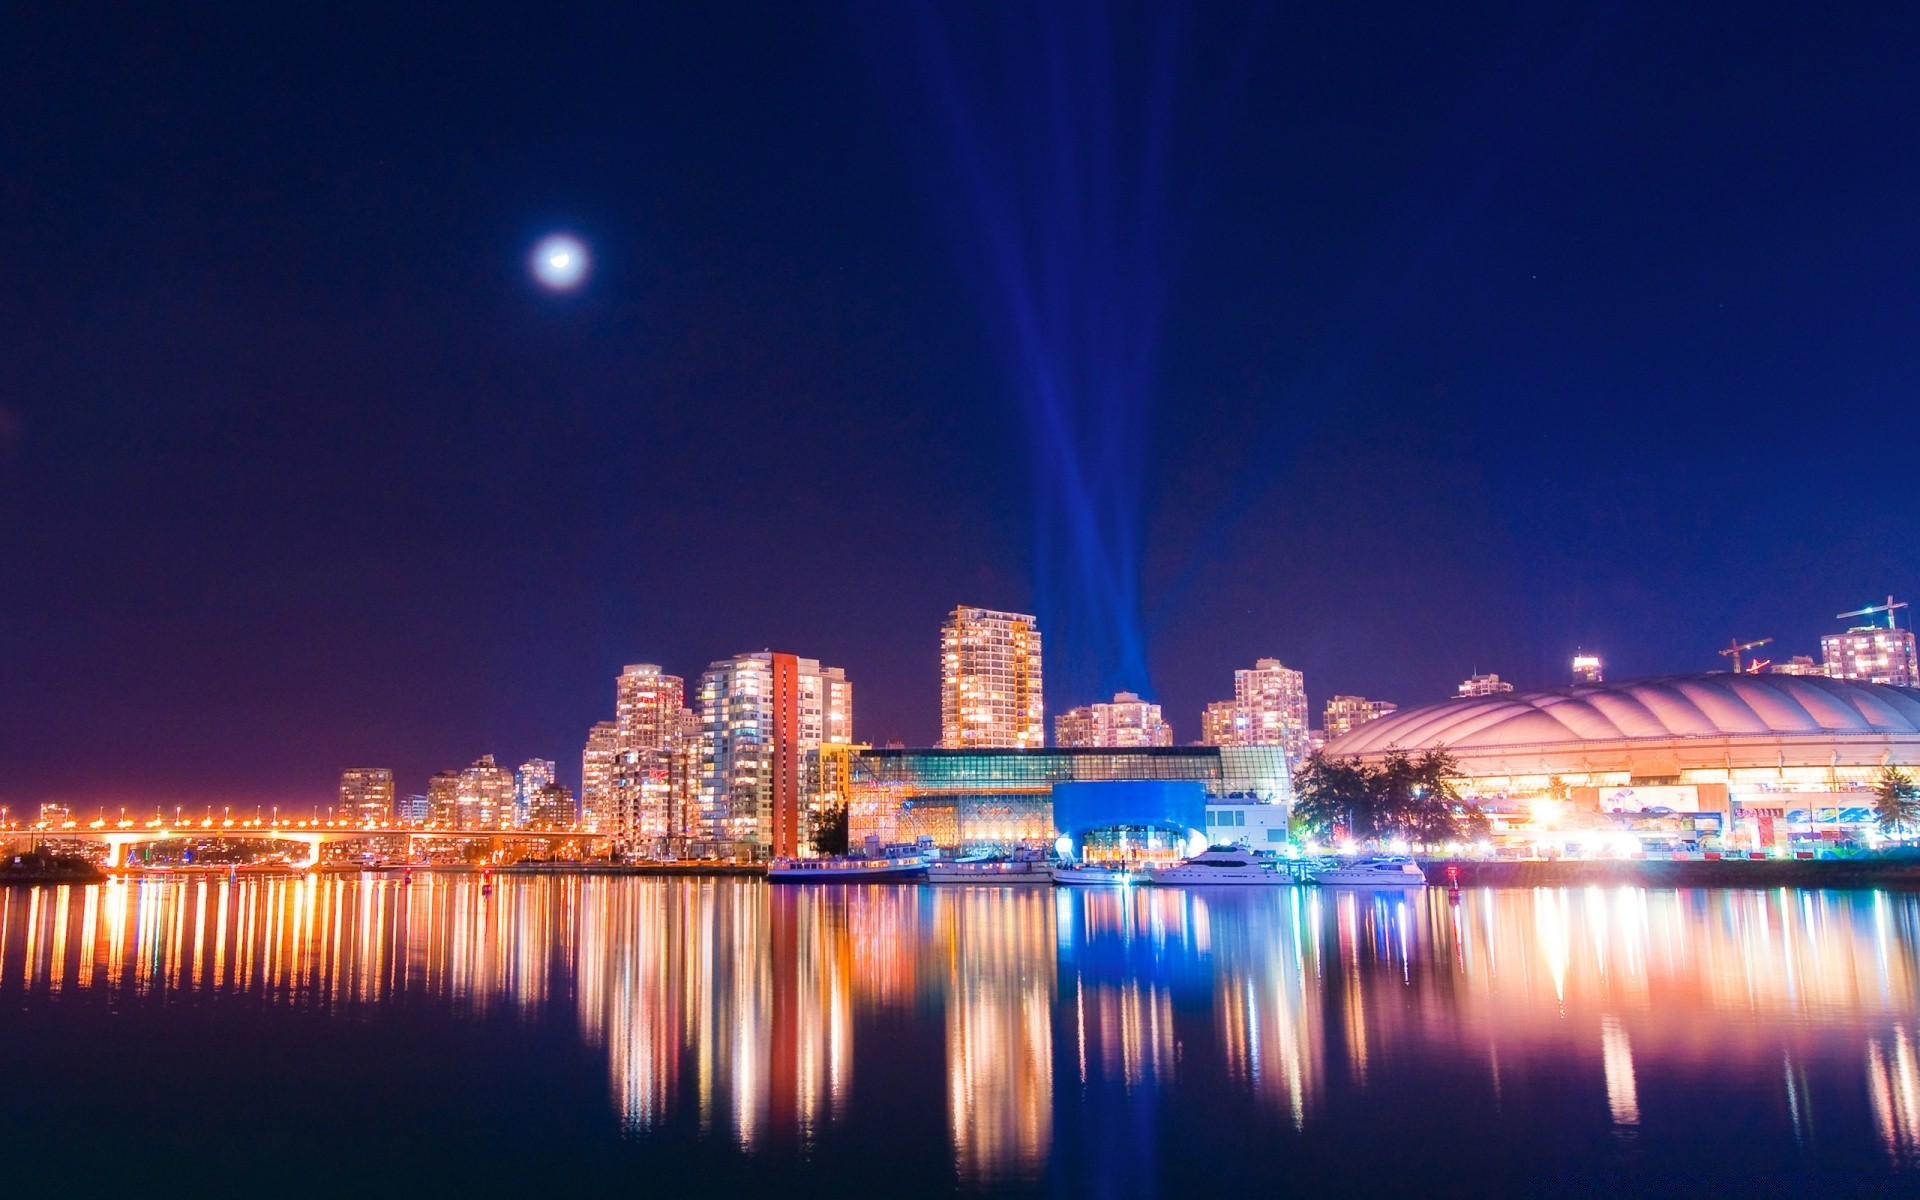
{"points": [[1775, 758]]}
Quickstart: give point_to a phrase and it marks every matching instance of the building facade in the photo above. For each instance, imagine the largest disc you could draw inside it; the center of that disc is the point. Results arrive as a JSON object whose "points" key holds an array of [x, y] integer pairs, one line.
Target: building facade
{"points": [[443, 799], [978, 799], [991, 681], [763, 719], [1219, 725], [596, 777], [551, 807], [1125, 721], [1872, 655], [528, 780], [1586, 668], [485, 796], [1270, 709], [1484, 685], [1345, 713], [366, 795]]}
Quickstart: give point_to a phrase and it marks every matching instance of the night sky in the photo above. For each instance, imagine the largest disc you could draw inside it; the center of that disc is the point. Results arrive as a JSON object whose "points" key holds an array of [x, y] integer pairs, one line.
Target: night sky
{"points": [[1392, 342]]}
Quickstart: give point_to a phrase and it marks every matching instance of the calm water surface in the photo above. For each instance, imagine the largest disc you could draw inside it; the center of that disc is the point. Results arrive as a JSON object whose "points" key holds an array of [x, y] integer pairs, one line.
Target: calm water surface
{"points": [[647, 1036]]}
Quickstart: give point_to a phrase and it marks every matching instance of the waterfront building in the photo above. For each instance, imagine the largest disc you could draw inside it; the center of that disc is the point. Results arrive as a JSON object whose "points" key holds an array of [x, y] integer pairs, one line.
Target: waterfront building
{"points": [[1484, 685], [411, 810], [533, 775], [763, 718], [1872, 654], [1586, 668], [1799, 664], [551, 807], [1146, 799], [366, 795], [1126, 721], [1345, 713], [1752, 762], [990, 680], [596, 774], [485, 796], [1219, 724], [443, 799]]}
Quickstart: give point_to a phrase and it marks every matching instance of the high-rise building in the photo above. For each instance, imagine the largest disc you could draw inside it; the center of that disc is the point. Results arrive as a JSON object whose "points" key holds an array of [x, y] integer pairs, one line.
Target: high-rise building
{"points": [[443, 799], [411, 810], [990, 681], [1484, 685], [1344, 713], [485, 797], [1872, 654], [1270, 703], [596, 774], [551, 807], [1217, 724], [534, 774], [1586, 668], [647, 707], [1127, 721], [366, 795], [763, 719]]}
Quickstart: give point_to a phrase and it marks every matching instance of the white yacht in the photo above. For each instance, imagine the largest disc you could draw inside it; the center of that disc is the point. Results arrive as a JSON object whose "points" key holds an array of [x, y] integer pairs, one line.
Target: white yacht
{"points": [[1228, 865], [894, 862], [1027, 868], [1097, 875], [1376, 872]]}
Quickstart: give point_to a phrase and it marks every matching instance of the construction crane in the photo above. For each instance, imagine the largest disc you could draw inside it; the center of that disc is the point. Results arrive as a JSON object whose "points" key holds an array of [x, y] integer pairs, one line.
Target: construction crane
{"points": [[1735, 647], [1871, 609]]}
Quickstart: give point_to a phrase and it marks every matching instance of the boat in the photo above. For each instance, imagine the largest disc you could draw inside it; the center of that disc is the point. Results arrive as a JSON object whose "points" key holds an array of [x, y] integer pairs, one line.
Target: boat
{"points": [[1097, 875], [1376, 872], [1022, 868], [892, 863], [1222, 865]]}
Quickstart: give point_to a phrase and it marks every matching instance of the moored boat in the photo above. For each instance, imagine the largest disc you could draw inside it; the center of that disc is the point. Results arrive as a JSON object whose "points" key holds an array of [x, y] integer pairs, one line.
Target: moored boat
{"points": [[1377, 872], [1093, 875], [1221, 865], [893, 863], [1023, 867]]}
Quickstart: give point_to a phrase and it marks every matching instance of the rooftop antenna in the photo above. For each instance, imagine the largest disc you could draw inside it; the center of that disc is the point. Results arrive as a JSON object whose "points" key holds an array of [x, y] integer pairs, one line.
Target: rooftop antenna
{"points": [[1868, 611], [1734, 648]]}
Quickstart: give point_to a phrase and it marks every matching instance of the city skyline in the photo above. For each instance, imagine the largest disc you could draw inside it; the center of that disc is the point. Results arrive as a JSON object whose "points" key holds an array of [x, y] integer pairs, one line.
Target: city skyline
{"points": [[1427, 346]]}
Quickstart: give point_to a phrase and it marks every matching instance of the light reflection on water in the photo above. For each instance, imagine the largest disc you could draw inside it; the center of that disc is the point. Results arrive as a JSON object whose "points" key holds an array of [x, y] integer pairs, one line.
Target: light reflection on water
{"points": [[741, 1007]]}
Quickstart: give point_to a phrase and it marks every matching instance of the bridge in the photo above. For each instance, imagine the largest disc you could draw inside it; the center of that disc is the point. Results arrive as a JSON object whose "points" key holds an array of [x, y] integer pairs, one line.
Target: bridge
{"points": [[122, 837]]}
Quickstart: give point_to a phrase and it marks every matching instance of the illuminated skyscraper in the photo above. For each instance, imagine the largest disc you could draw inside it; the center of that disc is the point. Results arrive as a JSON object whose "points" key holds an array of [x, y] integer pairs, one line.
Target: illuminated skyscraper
{"points": [[1349, 712], [366, 795], [1872, 654], [1217, 724], [1270, 704], [485, 797], [443, 799], [596, 774], [1125, 722], [534, 774], [990, 681], [1586, 668], [411, 810], [647, 707], [763, 718], [1484, 685], [551, 807]]}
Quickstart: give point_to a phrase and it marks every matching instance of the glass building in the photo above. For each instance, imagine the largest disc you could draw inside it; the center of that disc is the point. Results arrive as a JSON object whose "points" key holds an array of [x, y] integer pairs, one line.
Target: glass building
{"points": [[979, 798]]}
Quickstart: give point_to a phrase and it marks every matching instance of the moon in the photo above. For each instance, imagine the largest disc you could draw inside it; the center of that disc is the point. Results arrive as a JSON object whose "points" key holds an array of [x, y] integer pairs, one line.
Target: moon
{"points": [[560, 262]]}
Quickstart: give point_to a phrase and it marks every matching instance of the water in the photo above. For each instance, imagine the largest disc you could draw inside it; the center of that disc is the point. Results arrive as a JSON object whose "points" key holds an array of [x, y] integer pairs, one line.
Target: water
{"points": [[717, 1037]]}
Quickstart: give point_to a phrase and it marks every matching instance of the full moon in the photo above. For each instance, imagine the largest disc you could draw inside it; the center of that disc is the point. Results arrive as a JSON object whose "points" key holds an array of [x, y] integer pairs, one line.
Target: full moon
{"points": [[560, 262]]}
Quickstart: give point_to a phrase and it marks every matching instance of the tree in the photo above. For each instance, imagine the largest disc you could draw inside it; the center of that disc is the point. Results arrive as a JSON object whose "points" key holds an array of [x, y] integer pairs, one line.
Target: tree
{"points": [[830, 831], [1401, 796], [1896, 801]]}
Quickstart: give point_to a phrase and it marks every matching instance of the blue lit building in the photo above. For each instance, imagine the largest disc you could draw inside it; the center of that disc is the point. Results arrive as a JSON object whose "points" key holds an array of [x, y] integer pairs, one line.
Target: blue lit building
{"points": [[1157, 799]]}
